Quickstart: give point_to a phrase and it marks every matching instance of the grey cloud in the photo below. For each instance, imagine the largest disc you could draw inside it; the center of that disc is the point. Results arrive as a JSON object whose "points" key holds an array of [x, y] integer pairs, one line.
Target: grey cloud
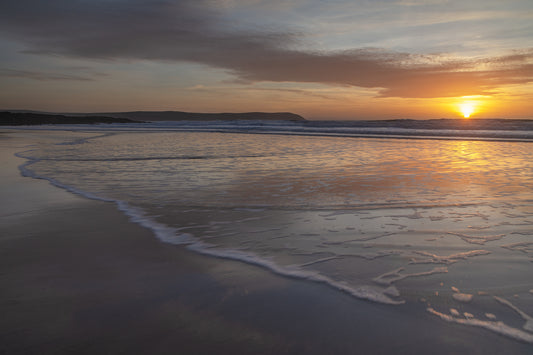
{"points": [[195, 32], [43, 76]]}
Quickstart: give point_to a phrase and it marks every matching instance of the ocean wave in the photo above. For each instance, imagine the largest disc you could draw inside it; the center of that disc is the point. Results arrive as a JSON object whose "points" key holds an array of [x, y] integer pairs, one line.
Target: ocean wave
{"points": [[187, 157], [490, 129]]}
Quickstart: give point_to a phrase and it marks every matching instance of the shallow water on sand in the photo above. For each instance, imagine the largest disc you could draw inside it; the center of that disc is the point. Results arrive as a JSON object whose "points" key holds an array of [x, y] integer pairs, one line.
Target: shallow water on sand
{"points": [[443, 225]]}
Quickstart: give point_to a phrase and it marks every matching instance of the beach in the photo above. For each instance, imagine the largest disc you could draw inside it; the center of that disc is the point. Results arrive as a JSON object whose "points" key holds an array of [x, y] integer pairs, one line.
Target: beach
{"points": [[78, 276]]}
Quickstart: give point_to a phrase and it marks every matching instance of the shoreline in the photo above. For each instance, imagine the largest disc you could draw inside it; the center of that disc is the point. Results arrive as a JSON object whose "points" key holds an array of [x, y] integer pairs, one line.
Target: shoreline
{"points": [[334, 129], [78, 276]]}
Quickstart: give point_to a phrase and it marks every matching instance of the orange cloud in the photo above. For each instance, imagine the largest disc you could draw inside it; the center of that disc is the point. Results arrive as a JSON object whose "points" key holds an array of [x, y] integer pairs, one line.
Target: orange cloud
{"points": [[190, 31]]}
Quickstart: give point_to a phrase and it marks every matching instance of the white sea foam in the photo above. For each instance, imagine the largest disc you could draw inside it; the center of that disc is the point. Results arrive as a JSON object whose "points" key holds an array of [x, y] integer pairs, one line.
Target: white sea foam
{"points": [[392, 291], [169, 235], [25, 171], [477, 239], [529, 320], [490, 316], [449, 259], [396, 275], [463, 297], [468, 315], [136, 215], [161, 231], [524, 247], [495, 326], [455, 312], [84, 140], [317, 261], [370, 293]]}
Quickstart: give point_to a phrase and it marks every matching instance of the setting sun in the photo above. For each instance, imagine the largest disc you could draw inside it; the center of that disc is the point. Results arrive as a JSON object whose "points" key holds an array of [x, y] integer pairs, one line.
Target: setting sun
{"points": [[467, 108]]}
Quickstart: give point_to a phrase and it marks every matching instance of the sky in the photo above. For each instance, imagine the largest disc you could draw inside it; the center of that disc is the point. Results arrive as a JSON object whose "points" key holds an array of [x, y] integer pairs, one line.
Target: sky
{"points": [[334, 59]]}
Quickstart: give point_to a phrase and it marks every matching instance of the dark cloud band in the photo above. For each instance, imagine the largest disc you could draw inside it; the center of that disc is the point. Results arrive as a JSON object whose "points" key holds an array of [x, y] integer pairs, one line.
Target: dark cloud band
{"points": [[193, 31]]}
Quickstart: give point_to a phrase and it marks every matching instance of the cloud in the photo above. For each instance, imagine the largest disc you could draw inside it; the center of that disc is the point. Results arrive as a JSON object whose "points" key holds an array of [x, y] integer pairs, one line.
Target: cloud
{"points": [[194, 31], [43, 76]]}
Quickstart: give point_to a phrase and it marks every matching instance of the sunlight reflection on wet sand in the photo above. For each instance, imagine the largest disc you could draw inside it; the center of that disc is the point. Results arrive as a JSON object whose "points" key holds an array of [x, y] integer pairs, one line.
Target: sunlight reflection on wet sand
{"points": [[382, 219]]}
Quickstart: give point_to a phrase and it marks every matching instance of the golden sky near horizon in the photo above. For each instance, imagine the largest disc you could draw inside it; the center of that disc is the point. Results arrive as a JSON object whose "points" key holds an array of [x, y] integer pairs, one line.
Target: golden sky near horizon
{"points": [[339, 59]]}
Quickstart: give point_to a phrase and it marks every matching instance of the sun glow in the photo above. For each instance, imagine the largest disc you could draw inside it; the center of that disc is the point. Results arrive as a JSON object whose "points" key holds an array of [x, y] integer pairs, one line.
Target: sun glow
{"points": [[467, 108]]}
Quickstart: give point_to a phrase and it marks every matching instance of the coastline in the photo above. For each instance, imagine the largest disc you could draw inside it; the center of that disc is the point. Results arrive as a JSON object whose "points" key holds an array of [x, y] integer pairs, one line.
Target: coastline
{"points": [[79, 277]]}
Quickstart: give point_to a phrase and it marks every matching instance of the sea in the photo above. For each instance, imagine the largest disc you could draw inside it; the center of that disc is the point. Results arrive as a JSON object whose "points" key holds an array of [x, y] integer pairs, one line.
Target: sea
{"points": [[439, 219]]}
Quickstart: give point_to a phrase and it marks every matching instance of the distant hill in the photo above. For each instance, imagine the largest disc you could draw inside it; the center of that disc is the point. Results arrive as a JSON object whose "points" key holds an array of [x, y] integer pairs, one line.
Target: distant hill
{"points": [[182, 116], [29, 118], [193, 116]]}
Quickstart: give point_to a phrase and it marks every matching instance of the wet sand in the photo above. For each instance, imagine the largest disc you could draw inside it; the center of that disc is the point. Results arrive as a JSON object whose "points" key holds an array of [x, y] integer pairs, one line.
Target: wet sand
{"points": [[78, 277]]}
